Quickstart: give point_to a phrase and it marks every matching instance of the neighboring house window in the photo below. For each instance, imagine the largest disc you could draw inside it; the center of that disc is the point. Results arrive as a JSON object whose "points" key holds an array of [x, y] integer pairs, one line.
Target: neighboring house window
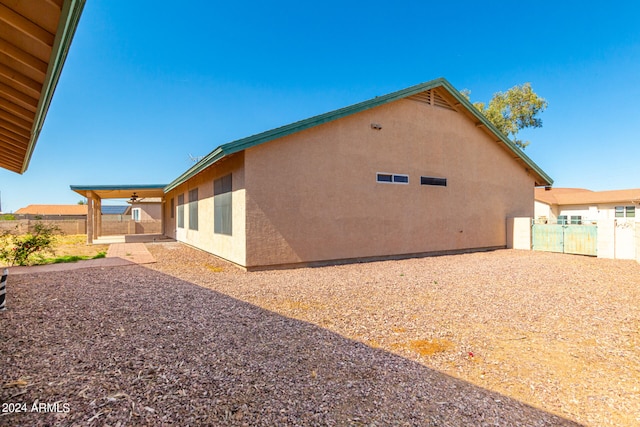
{"points": [[562, 219], [625, 211], [173, 207], [181, 211], [576, 220], [135, 214], [193, 209], [429, 180], [222, 205], [392, 178], [619, 211]]}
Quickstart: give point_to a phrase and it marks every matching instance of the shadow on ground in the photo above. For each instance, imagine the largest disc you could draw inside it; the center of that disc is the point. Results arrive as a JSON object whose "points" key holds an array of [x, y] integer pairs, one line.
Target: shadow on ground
{"points": [[133, 346]]}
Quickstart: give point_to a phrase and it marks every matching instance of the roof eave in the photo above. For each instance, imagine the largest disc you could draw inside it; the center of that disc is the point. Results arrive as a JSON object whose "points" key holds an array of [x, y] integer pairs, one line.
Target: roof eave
{"points": [[69, 18], [542, 179]]}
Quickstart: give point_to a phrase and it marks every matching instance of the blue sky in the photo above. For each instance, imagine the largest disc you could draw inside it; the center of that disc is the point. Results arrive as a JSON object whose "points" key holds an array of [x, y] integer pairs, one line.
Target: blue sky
{"points": [[149, 83]]}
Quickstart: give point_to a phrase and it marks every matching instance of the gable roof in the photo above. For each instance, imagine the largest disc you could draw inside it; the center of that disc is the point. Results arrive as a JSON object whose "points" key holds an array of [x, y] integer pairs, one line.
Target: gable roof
{"points": [[34, 42], [441, 85], [580, 196], [53, 210]]}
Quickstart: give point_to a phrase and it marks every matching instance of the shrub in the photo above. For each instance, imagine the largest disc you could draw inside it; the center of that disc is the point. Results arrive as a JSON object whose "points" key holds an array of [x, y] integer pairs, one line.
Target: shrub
{"points": [[19, 249]]}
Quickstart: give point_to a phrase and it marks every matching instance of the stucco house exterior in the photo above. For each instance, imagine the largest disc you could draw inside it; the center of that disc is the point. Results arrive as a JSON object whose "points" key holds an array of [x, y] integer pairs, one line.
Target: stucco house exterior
{"points": [[582, 206], [415, 172]]}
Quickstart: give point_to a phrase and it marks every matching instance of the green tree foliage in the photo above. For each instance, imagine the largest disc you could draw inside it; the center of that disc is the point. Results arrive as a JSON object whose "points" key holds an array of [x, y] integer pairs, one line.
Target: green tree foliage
{"points": [[20, 249], [513, 110]]}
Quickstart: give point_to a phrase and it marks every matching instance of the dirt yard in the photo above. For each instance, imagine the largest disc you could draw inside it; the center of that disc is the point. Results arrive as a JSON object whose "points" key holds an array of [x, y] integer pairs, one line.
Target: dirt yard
{"points": [[496, 338]]}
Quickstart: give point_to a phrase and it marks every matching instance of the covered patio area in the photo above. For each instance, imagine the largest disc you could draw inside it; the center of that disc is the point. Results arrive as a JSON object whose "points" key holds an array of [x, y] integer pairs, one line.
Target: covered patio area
{"points": [[96, 193]]}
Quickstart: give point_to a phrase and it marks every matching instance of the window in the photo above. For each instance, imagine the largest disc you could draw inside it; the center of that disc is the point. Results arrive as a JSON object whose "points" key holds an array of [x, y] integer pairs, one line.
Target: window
{"points": [[181, 211], [193, 209], [630, 211], [625, 211], [576, 220], [562, 219], [392, 178], [173, 207], [429, 180], [222, 205], [135, 214]]}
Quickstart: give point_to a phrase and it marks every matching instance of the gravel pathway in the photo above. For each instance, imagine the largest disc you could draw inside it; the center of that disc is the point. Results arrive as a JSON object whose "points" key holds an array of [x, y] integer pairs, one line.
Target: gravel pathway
{"points": [[498, 338]]}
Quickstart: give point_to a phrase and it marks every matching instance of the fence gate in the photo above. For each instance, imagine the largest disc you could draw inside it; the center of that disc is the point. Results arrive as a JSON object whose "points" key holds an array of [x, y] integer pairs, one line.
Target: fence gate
{"points": [[568, 239]]}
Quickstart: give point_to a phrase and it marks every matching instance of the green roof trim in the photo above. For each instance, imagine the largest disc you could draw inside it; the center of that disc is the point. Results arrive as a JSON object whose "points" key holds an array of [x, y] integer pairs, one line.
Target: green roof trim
{"points": [[117, 187], [69, 18], [251, 141]]}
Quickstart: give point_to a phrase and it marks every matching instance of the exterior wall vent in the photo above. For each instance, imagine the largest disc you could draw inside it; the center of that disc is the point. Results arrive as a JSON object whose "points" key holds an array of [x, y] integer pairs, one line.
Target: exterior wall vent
{"points": [[432, 97]]}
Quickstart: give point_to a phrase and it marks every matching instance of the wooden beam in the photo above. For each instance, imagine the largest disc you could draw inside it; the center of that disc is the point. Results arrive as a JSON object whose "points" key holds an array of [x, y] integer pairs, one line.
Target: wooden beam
{"points": [[17, 78], [11, 149], [15, 129], [24, 58], [26, 27], [20, 98], [14, 137], [17, 110], [12, 118], [12, 162]]}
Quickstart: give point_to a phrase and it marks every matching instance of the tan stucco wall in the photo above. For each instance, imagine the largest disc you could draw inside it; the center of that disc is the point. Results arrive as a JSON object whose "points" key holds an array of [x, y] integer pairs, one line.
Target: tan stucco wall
{"points": [[313, 196], [231, 247], [148, 211]]}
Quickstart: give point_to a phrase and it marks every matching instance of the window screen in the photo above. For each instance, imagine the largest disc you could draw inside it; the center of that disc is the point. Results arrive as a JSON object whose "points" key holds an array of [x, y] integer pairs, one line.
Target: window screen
{"points": [[181, 211], [193, 209], [392, 178], [429, 180], [222, 205]]}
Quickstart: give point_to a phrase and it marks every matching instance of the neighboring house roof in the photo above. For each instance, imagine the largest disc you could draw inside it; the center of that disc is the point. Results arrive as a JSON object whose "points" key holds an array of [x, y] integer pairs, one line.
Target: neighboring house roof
{"points": [[53, 210], [113, 210], [34, 42], [460, 104], [580, 196]]}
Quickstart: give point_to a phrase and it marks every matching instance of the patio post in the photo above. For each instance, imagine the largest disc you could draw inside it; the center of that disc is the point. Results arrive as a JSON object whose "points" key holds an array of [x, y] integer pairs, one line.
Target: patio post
{"points": [[89, 217]]}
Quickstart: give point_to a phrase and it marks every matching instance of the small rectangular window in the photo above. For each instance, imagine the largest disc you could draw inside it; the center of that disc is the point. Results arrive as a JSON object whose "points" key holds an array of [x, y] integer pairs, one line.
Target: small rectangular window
{"points": [[395, 178], [135, 214], [576, 220], [630, 211], [562, 219], [181, 211], [619, 211], [429, 180]]}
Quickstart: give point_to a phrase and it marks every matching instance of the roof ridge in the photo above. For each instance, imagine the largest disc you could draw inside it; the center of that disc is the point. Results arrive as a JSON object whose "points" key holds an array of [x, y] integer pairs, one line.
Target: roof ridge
{"points": [[250, 141]]}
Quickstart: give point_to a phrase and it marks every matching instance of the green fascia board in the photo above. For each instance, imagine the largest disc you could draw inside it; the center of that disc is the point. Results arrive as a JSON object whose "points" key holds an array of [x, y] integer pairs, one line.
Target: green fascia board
{"points": [[505, 140], [251, 141], [69, 18], [117, 187]]}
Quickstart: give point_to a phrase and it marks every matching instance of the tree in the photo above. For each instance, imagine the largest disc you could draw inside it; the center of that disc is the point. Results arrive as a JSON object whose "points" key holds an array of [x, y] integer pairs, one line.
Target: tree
{"points": [[513, 110]]}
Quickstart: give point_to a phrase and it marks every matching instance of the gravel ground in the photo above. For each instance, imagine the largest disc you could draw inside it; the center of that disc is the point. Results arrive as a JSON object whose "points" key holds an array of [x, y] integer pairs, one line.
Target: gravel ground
{"points": [[497, 338]]}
